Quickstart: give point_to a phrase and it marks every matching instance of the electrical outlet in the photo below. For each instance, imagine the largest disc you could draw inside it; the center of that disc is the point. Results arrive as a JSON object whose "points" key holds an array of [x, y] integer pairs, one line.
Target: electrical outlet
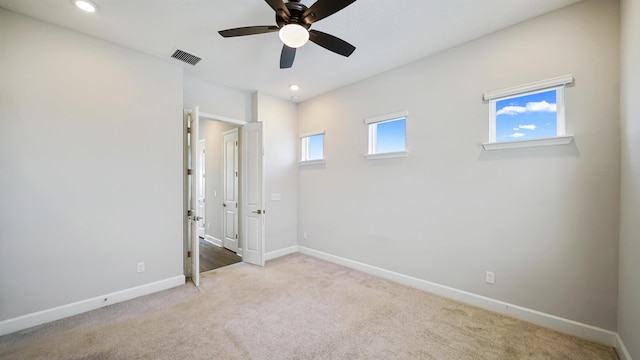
{"points": [[304, 234], [141, 267], [490, 277]]}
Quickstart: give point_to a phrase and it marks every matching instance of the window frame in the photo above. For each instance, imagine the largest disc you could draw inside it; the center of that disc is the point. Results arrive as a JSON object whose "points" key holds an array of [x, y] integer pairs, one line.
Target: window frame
{"points": [[304, 145], [372, 128], [558, 84]]}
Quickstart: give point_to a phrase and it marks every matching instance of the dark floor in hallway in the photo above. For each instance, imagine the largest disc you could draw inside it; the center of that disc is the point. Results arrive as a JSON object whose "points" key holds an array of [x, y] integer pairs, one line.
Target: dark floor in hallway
{"points": [[213, 257]]}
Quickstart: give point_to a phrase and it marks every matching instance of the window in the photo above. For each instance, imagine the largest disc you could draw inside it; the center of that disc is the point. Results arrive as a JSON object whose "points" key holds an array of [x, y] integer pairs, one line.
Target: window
{"points": [[387, 135], [528, 115], [312, 147]]}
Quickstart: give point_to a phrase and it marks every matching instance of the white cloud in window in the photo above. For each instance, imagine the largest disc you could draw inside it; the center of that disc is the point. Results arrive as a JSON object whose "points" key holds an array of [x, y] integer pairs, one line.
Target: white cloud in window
{"points": [[517, 135], [540, 106], [528, 127]]}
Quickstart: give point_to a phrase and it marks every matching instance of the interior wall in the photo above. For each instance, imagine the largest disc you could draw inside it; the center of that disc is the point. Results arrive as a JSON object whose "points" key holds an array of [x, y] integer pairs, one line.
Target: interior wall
{"points": [[280, 126], [629, 281], [91, 162], [212, 132], [214, 99], [545, 219]]}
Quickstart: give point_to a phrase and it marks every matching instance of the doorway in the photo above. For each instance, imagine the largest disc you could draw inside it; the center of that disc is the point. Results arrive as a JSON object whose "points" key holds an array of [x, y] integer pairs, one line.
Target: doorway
{"points": [[249, 200], [219, 239]]}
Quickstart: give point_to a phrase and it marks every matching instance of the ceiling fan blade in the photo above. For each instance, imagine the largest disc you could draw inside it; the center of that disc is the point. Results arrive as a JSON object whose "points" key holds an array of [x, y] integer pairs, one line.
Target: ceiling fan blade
{"points": [[279, 5], [248, 30], [287, 56], [331, 43], [323, 8]]}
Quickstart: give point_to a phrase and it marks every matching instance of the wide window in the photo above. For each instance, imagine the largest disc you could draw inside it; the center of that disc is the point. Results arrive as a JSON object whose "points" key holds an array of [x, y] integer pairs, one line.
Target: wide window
{"points": [[387, 135], [528, 115], [312, 147]]}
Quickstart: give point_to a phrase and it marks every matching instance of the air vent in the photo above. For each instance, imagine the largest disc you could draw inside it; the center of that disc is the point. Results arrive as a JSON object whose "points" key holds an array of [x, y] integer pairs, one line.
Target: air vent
{"points": [[186, 57]]}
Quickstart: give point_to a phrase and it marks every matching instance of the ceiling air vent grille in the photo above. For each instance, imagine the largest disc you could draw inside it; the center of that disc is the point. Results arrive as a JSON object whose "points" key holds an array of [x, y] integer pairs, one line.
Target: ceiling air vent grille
{"points": [[186, 57]]}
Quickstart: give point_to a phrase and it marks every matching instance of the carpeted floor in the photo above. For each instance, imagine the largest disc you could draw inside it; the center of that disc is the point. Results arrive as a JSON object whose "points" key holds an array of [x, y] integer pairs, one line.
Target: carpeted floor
{"points": [[297, 307]]}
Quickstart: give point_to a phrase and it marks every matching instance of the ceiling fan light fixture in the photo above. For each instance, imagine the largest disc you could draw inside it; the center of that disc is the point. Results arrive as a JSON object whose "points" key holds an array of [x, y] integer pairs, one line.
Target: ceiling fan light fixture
{"points": [[294, 35], [86, 5]]}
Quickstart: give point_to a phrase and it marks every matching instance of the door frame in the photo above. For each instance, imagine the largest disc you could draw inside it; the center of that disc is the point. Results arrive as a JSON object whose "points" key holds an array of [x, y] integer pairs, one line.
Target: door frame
{"points": [[201, 201], [186, 205]]}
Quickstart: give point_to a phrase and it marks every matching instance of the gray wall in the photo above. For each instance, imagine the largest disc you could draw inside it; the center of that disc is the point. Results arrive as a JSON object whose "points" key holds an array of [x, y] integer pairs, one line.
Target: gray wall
{"points": [[545, 220], [211, 131], [91, 161], [629, 281], [280, 126]]}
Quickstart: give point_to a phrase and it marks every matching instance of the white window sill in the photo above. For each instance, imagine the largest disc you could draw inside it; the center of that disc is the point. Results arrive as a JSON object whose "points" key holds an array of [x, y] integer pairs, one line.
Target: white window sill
{"points": [[389, 155], [557, 140], [311, 162]]}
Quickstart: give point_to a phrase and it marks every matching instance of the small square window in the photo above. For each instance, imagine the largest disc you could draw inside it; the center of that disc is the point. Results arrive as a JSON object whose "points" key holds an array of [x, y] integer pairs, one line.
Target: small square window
{"points": [[312, 147], [528, 115], [532, 115], [388, 133]]}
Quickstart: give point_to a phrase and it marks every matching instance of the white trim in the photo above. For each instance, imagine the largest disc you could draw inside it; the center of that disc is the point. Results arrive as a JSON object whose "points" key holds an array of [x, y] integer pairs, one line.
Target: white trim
{"points": [[37, 318], [622, 351], [556, 140], [389, 155], [387, 117], [532, 86], [311, 134], [279, 253], [222, 118], [557, 323], [311, 162], [213, 240]]}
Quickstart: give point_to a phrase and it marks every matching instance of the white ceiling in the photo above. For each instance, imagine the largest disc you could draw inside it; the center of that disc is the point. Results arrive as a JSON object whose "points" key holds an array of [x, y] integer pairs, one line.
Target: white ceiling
{"points": [[386, 34]]}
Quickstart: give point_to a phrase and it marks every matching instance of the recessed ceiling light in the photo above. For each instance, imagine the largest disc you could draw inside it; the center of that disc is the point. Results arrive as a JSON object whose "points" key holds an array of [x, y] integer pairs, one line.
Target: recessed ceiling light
{"points": [[294, 87], [86, 5]]}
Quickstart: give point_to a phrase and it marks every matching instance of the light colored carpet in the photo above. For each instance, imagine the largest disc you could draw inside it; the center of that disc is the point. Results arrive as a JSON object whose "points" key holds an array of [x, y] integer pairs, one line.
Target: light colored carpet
{"points": [[297, 307]]}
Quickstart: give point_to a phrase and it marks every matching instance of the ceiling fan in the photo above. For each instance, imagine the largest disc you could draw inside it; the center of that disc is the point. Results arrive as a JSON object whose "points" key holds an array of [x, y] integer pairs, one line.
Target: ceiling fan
{"points": [[293, 21]]}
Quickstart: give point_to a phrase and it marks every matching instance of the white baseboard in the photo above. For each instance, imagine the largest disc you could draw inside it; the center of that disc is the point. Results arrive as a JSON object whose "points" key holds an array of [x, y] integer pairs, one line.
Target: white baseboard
{"points": [[622, 351], [282, 252], [563, 325], [37, 318], [213, 240]]}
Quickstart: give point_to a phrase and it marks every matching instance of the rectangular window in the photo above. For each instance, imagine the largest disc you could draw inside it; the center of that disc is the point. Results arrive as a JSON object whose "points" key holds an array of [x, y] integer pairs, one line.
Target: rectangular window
{"points": [[312, 147], [532, 115], [533, 111], [388, 134]]}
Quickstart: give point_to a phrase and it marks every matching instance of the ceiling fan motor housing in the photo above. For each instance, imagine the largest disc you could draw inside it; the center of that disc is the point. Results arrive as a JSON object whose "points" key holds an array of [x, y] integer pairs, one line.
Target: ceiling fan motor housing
{"points": [[296, 9]]}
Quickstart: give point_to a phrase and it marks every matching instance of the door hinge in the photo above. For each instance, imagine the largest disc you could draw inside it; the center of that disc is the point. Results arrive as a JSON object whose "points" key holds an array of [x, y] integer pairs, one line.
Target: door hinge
{"points": [[188, 130], [188, 171], [236, 143], [236, 174], [188, 253], [224, 205], [236, 205], [236, 236], [189, 212]]}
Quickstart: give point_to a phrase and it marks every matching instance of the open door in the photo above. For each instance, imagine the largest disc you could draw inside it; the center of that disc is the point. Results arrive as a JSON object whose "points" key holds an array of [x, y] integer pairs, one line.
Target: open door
{"points": [[193, 172], [230, 189], [253, 212]]}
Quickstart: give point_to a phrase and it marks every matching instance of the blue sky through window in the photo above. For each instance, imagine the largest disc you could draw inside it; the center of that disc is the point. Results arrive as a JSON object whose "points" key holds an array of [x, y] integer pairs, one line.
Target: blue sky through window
{"points": [[527, 117], [316, 147], [392, 136]]}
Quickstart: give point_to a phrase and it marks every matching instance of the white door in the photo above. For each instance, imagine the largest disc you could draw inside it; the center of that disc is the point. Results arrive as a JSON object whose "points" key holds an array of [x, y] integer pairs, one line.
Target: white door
{"points": [[201, 188], [194, 180], [230, 189], [252, 194]]}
